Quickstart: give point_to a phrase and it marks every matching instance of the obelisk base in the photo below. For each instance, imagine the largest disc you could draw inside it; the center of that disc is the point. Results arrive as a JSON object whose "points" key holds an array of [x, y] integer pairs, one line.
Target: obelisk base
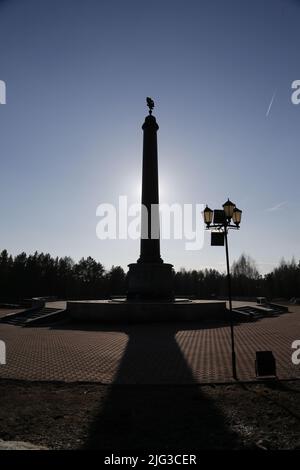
{"points": [[150, 282]]}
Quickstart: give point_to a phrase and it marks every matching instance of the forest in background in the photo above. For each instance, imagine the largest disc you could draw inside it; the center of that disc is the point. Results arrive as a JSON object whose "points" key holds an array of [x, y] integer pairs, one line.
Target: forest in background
{"points": [[41, 275]]}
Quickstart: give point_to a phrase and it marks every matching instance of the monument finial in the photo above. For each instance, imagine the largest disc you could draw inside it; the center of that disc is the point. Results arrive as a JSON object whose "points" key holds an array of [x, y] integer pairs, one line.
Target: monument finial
{"points": [[150, 104]]}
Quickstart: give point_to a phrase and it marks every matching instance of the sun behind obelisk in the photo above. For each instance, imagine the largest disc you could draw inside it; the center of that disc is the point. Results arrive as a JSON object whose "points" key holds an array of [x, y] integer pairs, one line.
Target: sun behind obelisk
{"points": [[150, 294]]}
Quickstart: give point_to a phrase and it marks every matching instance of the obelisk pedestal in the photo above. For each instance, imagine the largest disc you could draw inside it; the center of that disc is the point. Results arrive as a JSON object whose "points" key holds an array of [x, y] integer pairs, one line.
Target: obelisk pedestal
{"points": [[150, 278]]}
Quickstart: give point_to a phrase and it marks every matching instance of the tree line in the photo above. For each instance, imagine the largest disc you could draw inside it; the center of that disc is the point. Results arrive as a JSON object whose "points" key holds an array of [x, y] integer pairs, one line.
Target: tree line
{"points": [[36, 275]]}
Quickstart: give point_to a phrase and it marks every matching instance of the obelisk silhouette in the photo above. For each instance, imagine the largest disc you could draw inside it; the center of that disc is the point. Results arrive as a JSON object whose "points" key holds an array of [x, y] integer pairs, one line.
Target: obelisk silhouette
{"points": [[150, 278], [150, 245]]}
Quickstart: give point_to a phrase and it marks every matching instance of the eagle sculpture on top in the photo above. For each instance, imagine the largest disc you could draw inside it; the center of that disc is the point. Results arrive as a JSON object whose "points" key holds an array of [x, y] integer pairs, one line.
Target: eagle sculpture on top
{"points": [[150, 104]]}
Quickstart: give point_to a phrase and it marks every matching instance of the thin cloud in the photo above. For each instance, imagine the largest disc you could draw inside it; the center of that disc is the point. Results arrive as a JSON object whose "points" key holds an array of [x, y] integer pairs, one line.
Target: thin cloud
{"points": [[277, 207], [270, 105]]}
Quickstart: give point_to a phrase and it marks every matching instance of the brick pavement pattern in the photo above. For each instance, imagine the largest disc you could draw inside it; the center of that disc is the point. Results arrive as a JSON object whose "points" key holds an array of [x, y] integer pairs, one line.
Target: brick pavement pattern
{"points": [[147, 354]]}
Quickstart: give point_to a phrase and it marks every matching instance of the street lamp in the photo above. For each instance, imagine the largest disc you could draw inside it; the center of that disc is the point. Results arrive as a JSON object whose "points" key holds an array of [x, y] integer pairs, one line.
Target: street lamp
{"points": [[236, 216], [208, 216], [228, 208], [220, 220]]}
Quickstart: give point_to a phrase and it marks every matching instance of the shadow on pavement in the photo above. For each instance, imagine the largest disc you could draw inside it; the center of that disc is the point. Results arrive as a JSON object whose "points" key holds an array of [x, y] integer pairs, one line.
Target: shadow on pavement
{"points": [[158, 416]]}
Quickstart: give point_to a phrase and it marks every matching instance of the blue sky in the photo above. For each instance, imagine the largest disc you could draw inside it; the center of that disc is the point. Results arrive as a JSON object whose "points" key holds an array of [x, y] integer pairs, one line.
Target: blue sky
{"points": [[77, 74]]}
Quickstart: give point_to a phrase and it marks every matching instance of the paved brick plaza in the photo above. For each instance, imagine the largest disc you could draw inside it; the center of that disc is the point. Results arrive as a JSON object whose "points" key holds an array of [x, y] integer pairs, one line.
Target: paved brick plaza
{"points": [[157, 353]]}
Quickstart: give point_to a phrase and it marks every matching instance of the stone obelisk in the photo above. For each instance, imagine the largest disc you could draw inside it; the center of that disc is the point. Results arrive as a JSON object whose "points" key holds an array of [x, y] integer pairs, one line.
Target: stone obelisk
{"points": [[150, 246], [150, 278]]}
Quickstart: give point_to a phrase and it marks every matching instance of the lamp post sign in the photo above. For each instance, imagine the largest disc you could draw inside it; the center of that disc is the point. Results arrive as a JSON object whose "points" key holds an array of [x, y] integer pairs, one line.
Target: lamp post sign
{"points": [[217, 239], [220, 221]]}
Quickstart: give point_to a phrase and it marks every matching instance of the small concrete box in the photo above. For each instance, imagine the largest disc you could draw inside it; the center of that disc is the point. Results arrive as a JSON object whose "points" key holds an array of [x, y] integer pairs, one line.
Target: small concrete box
{"points": [[265, 364]]}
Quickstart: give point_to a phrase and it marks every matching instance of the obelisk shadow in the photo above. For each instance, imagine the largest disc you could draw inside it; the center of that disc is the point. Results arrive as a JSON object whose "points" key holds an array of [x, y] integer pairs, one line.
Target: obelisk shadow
{"points": [[155, 402]]}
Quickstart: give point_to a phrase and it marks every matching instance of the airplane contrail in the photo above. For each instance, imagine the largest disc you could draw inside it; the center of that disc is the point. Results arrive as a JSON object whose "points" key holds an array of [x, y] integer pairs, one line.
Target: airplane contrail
{"points": [[271, 102]]}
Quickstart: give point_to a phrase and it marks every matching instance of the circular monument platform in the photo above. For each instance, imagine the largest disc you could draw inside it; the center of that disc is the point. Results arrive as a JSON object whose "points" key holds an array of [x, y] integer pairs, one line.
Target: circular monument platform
{"points": [[123, 311]]}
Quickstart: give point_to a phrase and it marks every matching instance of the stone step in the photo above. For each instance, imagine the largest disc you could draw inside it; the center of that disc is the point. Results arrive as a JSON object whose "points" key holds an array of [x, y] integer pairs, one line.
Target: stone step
{"points": [[29, 318], [259, 312]]}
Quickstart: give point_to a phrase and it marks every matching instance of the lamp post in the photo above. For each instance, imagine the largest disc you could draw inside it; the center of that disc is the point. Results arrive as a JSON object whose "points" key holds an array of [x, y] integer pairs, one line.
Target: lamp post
{"points": [[221, 221]]}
